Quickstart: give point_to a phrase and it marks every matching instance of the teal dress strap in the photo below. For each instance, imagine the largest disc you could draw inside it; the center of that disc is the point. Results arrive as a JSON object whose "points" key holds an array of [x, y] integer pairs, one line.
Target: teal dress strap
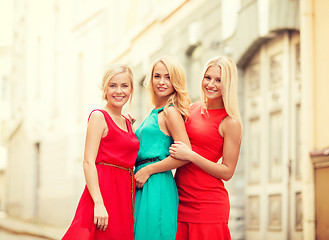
{"points": [[159, 109]]}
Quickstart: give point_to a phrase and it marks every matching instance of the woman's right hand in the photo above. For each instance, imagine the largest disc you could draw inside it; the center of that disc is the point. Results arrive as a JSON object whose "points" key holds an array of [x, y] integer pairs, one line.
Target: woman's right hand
{"points": [[181, 151], [101, 217]]}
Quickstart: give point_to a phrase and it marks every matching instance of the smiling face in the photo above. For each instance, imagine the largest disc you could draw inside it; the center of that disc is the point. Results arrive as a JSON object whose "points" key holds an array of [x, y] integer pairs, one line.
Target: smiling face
{"points": [[211, 83], [162, 85], [118, 90]]}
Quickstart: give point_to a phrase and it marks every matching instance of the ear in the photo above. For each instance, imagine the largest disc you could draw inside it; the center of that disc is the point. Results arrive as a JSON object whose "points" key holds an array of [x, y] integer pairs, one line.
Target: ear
{"points": [[104, 94]]}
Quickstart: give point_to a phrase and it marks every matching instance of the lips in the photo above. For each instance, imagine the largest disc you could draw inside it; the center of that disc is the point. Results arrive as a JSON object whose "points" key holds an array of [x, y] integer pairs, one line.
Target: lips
{"points": [[211, 90], [118, 98], [161, 89]]}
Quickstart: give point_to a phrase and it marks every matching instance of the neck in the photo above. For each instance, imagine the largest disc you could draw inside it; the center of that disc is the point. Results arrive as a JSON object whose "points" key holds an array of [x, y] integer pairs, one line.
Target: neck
{"points": [[215, 104], [113, 111], [159, 103]]}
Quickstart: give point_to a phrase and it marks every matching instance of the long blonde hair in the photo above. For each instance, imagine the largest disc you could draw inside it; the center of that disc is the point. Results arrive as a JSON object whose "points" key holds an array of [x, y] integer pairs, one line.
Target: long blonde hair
{"points": [[112, 70], [229, 80], [179, 98]]}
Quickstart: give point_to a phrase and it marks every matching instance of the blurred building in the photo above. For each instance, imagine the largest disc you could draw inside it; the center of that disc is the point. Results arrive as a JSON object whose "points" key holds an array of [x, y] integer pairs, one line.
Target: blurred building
{"points": [[314, 127], [5, 71], [5, 63], [60, 49]]}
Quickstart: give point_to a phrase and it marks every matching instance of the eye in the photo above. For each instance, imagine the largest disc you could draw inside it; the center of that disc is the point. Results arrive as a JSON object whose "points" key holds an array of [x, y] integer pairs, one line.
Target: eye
{"points": [[125, 85], [168, 77], [156, 76], [207, 77], [112, 85], [218, 80]]}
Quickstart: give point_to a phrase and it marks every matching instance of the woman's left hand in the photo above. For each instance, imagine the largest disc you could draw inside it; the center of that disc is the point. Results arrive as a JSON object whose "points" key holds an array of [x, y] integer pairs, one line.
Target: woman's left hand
{"points": [[180, 150], [142, 176]]}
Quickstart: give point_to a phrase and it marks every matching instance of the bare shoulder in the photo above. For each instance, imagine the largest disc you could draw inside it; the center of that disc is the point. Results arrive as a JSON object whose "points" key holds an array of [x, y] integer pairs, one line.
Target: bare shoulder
{"points": [[231, 122], [174, 119], [230, 126], [173, 113], [97, 117]]}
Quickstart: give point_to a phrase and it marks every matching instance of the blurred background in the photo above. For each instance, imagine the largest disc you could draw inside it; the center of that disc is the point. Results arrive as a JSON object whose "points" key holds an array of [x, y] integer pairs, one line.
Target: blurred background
{"points": [[52, 58]]}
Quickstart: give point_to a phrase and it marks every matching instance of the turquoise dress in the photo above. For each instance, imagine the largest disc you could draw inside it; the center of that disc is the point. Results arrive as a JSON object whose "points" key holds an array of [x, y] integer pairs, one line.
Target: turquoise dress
{"points": [[156, 204]]}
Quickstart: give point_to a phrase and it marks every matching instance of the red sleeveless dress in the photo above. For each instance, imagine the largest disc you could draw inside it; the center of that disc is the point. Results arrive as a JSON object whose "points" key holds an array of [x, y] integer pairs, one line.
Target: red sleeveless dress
{"points": [[117, 148], [203, 198]]}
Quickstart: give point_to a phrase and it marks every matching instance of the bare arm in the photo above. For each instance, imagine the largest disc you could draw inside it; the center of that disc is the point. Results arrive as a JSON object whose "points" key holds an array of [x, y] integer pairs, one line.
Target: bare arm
{"points": [[231, 131], [95, 130], [176, 127]]}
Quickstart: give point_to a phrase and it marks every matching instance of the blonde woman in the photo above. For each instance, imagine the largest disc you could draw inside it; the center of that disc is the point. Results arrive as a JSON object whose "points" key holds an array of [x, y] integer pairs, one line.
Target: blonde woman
{"points": [[105, 210], [156, 200], [214, 129]]}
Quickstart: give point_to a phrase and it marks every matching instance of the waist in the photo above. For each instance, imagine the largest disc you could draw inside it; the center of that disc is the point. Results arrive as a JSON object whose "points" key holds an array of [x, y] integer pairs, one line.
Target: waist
{"points": [[131, 173], [146, 161], [212, 214], [192, 171], [130, 170]]}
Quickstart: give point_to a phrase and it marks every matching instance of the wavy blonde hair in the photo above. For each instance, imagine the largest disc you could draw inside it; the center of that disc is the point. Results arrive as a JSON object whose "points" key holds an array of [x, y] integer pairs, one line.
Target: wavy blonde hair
{"points": [[112, 70], [229, 80], [179, 98]]}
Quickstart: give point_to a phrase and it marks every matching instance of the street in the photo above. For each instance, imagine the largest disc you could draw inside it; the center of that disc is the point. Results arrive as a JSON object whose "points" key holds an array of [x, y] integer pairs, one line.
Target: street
{"points": [[6, 235]]}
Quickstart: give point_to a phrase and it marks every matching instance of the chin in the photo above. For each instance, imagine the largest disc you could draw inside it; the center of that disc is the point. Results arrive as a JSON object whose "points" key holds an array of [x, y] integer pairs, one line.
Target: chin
{"points": [[213, 97], [119, 104]]}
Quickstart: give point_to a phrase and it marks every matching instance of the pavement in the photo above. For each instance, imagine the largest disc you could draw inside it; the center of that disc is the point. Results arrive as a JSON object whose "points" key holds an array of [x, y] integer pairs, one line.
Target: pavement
{"points": [[19, 226]]}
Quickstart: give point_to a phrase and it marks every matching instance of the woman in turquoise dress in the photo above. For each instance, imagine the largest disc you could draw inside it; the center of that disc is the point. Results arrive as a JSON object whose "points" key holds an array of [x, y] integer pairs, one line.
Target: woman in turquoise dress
{"points": [[156, 199]]}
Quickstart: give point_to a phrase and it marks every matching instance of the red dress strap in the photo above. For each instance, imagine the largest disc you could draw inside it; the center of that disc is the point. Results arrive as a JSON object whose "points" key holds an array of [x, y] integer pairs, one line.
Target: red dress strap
{"points": [[109, 120], [128, 123], [104, 113]]}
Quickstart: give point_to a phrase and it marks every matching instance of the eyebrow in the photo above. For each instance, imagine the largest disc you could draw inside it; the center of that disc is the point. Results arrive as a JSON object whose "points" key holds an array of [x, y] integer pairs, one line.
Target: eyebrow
{"points": [[117, 84], [207, 75], [160, 74]]}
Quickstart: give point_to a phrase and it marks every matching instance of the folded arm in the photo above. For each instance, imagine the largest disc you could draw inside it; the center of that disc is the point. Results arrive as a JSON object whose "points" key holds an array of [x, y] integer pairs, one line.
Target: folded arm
{"points": [[176, 127], [231, 132]]}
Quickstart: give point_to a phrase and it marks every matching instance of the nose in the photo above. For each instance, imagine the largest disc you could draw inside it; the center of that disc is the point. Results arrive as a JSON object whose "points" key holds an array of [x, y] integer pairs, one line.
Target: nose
{"points": [[119, 89], [211, 83], [161, 80]]}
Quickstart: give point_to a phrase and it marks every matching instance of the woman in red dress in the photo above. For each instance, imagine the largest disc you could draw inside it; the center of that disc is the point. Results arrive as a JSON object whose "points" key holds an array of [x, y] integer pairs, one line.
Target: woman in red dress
{"points": [[105, 210], [214, 129]]}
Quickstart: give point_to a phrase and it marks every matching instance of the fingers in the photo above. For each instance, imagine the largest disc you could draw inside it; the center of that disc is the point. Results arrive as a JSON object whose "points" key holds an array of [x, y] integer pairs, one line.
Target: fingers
{"points": [[172, 150], [106, 223], [173, 147], [176, 145], [139, 184], [100, 216], [131, 118], [101, 222], [141, 177], [172, 153]]}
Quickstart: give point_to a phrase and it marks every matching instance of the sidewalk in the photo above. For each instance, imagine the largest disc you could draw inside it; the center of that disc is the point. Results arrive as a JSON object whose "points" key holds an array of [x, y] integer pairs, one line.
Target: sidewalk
{"points": [[19, 226]]}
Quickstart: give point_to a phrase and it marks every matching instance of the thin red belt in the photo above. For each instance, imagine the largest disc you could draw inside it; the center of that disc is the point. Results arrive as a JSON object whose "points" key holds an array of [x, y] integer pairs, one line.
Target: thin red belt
{"points": [[131, 172]]}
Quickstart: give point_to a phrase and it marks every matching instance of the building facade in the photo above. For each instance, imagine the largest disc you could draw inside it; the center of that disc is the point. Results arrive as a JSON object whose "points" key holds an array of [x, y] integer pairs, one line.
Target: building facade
{"points": [[5, 71], [60, 49], [314, 65]]}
